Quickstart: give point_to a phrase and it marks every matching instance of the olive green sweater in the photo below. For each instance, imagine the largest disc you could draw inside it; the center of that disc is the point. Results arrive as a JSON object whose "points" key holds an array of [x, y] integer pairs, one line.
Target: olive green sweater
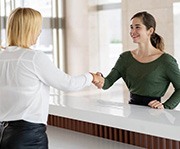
{"points": [[147, 79]]}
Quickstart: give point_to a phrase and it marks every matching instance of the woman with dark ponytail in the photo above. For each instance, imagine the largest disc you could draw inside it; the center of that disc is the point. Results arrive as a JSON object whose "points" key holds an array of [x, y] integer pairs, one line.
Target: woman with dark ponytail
{"points": [[146, 70]]}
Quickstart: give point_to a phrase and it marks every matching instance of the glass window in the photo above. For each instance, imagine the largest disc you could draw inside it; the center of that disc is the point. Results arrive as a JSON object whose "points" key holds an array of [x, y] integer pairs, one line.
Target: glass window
{"points": [[51, 38], [46, 41], [45, 8], [110, 35], [108, 1]]}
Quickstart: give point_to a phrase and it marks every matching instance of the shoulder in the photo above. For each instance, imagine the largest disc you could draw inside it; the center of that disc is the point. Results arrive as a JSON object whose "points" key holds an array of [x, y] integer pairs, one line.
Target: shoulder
{"points": [[125, 55], [169, 61], [167, 58], [33, 51], [123, 59], [34, 54]]}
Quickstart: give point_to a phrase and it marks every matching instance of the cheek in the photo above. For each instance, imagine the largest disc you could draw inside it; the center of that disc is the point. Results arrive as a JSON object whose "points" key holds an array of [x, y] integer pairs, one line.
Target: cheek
{"points": [[148, 33], [144, 34], [130, 33]]}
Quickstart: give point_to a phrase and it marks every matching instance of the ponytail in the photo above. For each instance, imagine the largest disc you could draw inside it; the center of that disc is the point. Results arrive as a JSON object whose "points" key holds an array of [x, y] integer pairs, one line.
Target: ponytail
{"points": [[157, 41]]}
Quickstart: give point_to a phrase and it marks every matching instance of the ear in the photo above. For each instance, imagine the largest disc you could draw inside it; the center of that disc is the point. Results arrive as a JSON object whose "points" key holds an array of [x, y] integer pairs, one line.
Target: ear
{"points": [[151, 31]]}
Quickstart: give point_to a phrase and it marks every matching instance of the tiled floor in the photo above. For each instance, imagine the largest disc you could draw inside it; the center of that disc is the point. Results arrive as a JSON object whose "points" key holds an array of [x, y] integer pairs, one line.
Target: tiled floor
{"points": [[66, 139]]}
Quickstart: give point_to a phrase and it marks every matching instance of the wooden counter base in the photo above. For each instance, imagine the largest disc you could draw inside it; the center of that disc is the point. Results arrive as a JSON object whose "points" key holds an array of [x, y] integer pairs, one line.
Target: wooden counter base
{"points": [[124, 136]]}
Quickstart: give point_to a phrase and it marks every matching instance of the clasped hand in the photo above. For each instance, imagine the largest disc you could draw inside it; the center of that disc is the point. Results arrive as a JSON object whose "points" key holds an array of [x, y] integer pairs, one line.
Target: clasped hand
{"points": [[98, 80]]}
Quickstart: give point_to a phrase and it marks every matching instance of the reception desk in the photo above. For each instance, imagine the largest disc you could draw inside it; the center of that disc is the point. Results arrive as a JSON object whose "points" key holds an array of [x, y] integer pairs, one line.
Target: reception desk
{"points": [[137, 125]]}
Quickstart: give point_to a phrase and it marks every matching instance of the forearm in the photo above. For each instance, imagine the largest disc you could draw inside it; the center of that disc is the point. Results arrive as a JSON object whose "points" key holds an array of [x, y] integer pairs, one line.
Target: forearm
{"points": [[173, 101], [111, 79], [50, 75]]}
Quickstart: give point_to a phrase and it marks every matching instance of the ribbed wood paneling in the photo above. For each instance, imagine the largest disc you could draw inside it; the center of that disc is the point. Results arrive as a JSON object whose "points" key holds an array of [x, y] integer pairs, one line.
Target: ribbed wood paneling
{"points": [[142, 140]]}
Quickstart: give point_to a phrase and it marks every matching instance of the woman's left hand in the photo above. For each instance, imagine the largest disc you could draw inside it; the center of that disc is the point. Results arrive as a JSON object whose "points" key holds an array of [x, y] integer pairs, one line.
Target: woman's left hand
{"points": [[156, 104]]}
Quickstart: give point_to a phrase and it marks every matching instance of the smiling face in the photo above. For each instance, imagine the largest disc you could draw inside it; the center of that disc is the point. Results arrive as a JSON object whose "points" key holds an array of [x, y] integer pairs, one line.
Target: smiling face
{"points": [[139, 32]]}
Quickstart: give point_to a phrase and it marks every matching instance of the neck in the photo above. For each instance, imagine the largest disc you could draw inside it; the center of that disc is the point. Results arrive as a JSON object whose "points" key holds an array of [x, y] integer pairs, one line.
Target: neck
{"points": [[145, 49]]}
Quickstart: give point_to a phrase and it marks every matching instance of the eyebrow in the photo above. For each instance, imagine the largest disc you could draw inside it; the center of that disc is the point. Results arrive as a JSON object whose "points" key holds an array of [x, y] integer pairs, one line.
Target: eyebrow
{"points": [[135, 25]]}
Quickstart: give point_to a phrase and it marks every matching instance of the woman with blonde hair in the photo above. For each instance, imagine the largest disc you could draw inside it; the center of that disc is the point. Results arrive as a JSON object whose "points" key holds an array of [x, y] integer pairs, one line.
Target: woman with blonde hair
{"points": [[25, 79]]}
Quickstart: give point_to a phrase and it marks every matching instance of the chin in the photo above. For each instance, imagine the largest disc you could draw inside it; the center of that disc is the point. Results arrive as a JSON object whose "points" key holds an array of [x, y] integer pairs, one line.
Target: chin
{"points": [[135, 41]]}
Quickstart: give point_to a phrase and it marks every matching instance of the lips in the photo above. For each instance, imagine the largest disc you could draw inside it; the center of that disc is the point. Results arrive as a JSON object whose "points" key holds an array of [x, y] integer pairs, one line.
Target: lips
{"points": [[134, 36]]}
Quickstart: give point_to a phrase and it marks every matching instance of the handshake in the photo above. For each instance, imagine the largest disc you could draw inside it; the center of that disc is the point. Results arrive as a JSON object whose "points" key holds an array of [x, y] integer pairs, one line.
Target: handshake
{"points": [[98, 80]]}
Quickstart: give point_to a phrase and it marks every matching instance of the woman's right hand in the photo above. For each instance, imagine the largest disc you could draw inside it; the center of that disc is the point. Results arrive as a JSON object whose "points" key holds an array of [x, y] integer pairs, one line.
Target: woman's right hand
{"points": [[98, 80]]}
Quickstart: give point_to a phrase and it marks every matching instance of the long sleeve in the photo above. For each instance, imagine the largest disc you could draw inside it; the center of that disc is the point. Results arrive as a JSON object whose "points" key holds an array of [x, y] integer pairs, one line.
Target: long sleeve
{"points": [[25, 78], [116, 72], [52, 76], [112, 77], [173, 74]]}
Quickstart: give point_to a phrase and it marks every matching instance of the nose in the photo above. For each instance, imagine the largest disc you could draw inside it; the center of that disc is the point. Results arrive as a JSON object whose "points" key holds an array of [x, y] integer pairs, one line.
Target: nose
{"points": [[132, 31]]}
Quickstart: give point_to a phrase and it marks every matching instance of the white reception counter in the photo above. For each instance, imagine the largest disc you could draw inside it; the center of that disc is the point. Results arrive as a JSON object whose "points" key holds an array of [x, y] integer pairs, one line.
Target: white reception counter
{"points": [[116, 114]]}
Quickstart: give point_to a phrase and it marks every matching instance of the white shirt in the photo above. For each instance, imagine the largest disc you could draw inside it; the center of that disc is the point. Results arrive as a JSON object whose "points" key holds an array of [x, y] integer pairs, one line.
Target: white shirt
{"points": [[25, 79]]}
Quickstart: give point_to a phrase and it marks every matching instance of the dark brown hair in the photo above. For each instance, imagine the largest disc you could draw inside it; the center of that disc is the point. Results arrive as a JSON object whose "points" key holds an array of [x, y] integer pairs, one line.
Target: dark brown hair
{"points": [[149, 21]]}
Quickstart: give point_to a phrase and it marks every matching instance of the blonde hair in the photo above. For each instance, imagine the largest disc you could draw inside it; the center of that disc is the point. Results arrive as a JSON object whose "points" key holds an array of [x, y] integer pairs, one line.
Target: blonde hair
{"points": [[23, 27]]}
